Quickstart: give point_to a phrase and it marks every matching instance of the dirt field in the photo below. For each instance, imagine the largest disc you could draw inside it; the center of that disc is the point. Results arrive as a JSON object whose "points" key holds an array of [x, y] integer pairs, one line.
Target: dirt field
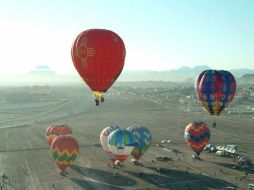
{"points": [[25, 157]]}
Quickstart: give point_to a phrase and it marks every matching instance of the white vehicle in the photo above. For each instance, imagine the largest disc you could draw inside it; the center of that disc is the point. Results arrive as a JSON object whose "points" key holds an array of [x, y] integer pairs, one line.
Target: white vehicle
{"points": [[210, 148], [251, 186], [220, 153], [220, 148], [231, 148], [229, 188]]}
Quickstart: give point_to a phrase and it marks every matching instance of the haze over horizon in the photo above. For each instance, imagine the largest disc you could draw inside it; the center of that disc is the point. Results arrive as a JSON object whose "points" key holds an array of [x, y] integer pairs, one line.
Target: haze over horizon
{"points": [[40, 69], [44, 75], [158, 35]]}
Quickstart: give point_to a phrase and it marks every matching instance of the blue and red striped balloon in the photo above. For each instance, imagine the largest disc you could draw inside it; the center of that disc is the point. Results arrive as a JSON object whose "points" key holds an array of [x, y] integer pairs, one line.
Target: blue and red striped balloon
{"points": [[197, 135], [215, 90]]}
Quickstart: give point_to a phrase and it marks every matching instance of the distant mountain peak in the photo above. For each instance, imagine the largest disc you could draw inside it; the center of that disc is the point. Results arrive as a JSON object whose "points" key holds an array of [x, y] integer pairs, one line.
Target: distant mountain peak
{"points": [[204, 67], [177, 74], [248, 76], [42, 67], [42, 70]]}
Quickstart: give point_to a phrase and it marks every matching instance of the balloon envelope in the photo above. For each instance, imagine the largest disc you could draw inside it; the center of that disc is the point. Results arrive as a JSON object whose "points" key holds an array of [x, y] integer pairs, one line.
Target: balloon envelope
{"points": [[64, 149], [104, 136], [50, 138], [197, 135], [143, 138], [98, 56], [121, 143], [215, 90], [55, 130]]}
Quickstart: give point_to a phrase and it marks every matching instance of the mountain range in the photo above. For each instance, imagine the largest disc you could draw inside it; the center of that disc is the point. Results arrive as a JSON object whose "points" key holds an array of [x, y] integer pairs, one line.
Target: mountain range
{"points": [[183, 73], [180, 74], [43, 74]]}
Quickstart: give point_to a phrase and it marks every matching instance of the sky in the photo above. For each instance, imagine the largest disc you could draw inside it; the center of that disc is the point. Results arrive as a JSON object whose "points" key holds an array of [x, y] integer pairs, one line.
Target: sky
{"points": [[158, 34]]}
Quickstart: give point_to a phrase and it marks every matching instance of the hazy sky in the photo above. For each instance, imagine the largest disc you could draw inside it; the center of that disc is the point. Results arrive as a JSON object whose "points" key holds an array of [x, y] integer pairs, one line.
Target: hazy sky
{"points": [[158, 34]]}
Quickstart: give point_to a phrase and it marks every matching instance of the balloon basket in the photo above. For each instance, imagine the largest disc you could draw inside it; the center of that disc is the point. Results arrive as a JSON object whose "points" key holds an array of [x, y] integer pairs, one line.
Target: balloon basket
{"points": [[117, 164], [196, 157], [97, 103], [136, 162], [64, 173]]}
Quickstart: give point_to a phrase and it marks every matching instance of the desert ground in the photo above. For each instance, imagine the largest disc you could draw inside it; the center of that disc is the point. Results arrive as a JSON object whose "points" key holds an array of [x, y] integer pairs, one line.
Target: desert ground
{"points": [[25, 156]]}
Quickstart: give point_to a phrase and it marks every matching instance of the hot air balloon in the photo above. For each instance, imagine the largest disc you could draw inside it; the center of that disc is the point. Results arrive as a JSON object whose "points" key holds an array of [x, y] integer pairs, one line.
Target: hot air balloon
{"points": [[121, 143], [215, 90], [197, 135], [98, 55], [55, 130], [64, 150], [104, 140], [143, 138]]}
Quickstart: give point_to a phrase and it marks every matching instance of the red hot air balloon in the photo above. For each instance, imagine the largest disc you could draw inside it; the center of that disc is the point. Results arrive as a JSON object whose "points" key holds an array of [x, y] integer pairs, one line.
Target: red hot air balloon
{"points": [[98, 56], [197, 135]]}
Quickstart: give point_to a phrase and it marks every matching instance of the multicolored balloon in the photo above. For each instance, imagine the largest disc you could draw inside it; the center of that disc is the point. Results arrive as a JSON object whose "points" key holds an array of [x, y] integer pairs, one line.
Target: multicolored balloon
{"points": [[197, 135], [64, 149], [143, 138], [215, 90], [121, 143], [98, 55], [104, 140], [55, 130]]}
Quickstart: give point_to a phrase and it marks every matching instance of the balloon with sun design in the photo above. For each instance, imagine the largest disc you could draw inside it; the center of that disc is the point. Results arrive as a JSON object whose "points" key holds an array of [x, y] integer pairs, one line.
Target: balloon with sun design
{"points": [[98, 55]]}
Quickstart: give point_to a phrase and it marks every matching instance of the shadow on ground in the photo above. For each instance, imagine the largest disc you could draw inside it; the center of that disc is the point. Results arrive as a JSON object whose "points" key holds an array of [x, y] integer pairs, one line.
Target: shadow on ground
{"points": [[182, 180], [101, 179], [94, 185], [250, 169]]}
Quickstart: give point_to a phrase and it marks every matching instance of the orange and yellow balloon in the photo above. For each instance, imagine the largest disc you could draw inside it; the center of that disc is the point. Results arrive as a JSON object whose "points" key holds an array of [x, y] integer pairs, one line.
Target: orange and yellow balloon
{"points": [[65, 150]]}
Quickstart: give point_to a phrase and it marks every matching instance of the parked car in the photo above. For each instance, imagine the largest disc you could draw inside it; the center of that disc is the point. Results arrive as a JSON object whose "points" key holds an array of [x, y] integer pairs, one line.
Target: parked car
{"points": [[220, 153], [163, 158], [210, 148], [229, 188], [251, 186]]}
